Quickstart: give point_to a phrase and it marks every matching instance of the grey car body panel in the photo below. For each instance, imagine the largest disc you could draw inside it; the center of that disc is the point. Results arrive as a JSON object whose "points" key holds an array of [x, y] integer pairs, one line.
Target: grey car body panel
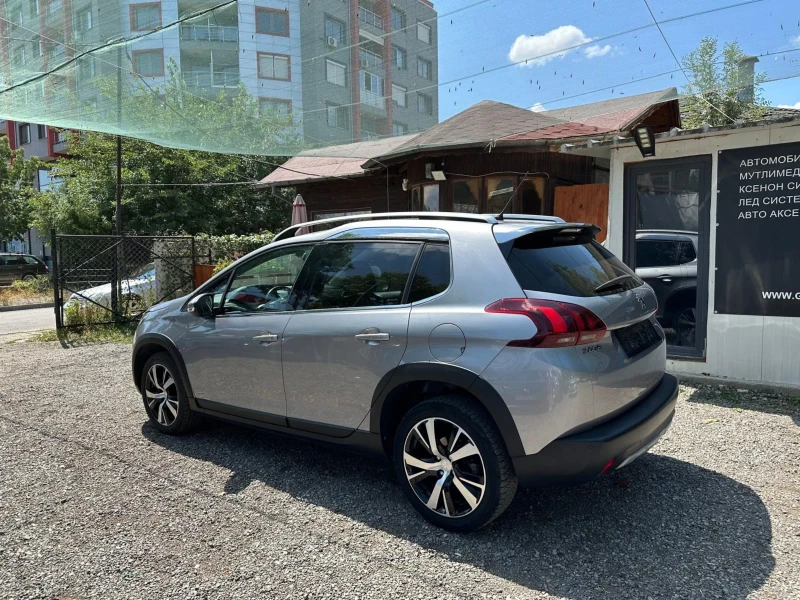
{"points": [[670, 282], [336, 386]]}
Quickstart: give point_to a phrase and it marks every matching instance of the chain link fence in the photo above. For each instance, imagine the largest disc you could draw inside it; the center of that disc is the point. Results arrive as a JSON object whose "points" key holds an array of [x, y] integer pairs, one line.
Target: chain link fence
{"points": [[111, 279]]}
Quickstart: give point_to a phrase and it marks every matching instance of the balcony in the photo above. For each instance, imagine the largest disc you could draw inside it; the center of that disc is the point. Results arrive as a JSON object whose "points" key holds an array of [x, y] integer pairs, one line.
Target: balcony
{"points": [[369, 59], [210, 33], [370, 18], [373, 100], [217, 79]]}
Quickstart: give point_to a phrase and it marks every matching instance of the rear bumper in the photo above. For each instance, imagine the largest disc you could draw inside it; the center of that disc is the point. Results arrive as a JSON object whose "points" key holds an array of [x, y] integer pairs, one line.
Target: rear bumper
{"points": [[583, 456]]}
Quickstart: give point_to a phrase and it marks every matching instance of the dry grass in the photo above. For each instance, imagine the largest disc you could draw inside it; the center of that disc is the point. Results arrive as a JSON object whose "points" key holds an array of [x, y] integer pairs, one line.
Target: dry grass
{"points": [[13, 296]]}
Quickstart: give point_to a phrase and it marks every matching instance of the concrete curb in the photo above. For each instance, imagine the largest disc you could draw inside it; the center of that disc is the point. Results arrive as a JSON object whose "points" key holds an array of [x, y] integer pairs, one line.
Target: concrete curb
{"points": [[25, 306]]}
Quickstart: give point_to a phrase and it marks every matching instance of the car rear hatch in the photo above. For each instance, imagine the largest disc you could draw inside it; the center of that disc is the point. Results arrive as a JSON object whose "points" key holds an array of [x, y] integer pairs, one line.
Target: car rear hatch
{"points": [[563, 263]]}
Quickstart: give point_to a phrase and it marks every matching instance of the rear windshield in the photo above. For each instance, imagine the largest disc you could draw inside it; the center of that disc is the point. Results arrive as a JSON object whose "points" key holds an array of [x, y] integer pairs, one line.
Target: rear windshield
{"points": [[572, 265]]}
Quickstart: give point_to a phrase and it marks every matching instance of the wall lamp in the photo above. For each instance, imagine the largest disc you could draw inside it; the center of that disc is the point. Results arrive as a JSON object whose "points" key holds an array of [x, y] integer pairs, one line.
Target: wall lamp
{"points": [[645, 139]]}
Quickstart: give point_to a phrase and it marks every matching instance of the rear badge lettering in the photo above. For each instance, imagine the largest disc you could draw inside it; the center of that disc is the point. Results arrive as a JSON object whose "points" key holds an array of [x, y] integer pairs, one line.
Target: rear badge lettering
{"points": [[588, 349]]}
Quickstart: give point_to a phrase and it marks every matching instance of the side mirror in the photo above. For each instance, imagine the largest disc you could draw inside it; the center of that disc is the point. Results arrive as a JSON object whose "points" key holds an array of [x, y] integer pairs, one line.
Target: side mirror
{"points": [[202, 306]]}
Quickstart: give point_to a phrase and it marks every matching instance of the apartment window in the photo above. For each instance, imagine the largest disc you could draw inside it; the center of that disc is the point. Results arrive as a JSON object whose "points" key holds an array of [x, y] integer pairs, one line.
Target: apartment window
{"points": [[275, 105], [148, 63], [19, 57], [424, 104], [86, 67], [274, 66], [400, 58], [399, 128], [34, 4], [25, 134], [272, 21], [338, 117], [41, 131], [334, 29], [335, 72], [424, 68], [399, 95], [40, 45], [398, 19], [84, 18], [372, 83], [423, 33], [145, 16]]}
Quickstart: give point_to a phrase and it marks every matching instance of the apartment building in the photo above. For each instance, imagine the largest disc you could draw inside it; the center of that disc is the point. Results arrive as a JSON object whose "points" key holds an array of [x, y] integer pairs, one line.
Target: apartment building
{"points": [[350, 70]]}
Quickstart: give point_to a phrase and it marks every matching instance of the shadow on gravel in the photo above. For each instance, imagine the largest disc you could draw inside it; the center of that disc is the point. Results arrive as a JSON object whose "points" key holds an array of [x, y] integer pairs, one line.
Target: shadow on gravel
{"points": [[766, 401], [660, 528]]}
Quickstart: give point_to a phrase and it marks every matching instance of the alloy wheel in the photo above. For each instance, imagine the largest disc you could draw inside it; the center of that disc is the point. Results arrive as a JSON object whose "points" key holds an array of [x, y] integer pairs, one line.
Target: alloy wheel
{"points": [[162, 395], [444, 467]]}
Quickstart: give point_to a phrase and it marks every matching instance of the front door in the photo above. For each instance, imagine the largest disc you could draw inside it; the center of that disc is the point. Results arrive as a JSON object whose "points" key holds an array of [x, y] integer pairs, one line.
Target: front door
{"points": [[667, 205], [234, 360], [351, 332]]}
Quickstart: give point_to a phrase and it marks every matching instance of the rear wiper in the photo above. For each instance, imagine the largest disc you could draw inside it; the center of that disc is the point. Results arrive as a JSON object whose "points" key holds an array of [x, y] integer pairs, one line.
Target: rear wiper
{"points": [[613, 283]]}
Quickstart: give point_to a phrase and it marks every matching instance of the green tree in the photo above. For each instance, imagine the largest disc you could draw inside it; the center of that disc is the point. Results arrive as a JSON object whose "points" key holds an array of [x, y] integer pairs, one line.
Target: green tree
{"points": [[16, 190], [721, 91]]}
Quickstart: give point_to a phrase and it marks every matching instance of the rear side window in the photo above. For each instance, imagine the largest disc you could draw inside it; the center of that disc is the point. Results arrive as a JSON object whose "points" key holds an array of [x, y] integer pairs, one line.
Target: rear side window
{"points": [[360, 274], [433, 273], [664, 253], [31, 260], [14, 260], [572, 265]]}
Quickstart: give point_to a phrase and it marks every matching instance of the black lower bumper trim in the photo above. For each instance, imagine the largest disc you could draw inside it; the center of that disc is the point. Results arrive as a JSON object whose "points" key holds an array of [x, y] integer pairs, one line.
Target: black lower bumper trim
{"points": [[583, 456]]}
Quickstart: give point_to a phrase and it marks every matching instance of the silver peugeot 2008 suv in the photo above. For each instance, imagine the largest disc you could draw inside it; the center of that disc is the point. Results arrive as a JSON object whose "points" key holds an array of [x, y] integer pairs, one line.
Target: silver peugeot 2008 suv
{"points": [[476, 352]]}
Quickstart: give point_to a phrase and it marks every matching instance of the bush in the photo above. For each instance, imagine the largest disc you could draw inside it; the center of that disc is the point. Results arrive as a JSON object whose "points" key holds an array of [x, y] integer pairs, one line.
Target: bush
{"points": [[230, 247], [221, 265], [41, 284]]}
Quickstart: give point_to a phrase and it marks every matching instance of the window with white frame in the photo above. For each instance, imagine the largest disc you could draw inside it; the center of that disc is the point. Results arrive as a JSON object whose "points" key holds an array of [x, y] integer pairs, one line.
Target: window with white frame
{"points": [[273, 66], [84, 20], [423, 33], [399, 128], [424, 68], [400, 58], [338, 116], [334, 28], [424, 104], [335, 73], [275, 105], [399, 95], [398, 19]]}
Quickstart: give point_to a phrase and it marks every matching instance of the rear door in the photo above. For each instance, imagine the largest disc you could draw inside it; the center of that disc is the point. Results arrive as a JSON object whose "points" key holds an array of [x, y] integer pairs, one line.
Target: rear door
{"points": [[352, 330]]}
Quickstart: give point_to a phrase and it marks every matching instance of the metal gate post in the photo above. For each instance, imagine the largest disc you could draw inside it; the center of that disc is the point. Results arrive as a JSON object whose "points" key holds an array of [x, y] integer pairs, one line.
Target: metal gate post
{"points": [[194, 260], [56, 280]]}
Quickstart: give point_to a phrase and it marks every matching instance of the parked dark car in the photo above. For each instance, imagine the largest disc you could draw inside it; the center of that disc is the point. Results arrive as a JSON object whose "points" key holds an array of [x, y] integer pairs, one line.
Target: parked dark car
{"points": [[15, 267], [667, 260]]}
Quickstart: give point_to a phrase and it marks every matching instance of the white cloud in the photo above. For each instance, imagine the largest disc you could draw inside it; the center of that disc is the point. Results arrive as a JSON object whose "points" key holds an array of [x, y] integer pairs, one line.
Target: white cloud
{"points": [[597, 51], [796, 106], [541, 49], [795, 41], [538, 107]]}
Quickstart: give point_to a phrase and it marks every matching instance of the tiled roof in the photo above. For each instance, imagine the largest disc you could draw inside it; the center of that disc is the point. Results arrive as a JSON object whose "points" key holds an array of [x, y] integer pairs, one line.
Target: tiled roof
{"points": [[485, 123], [331, 162]]}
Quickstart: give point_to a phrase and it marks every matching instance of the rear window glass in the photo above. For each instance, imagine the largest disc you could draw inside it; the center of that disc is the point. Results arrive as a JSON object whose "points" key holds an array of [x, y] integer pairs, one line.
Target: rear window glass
{"points": [[30, 260], [572, 265], [664, 253]]}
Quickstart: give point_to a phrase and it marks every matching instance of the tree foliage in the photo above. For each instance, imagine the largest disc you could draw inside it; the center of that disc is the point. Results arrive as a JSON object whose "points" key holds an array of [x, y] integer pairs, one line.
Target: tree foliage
{"points": [[169, 190], [720, 91], [16, 189]]}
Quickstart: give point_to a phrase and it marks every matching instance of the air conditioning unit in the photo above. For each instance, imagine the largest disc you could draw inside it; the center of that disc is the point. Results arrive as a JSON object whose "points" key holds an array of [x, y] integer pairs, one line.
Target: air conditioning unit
{"points": [[333, 42]]}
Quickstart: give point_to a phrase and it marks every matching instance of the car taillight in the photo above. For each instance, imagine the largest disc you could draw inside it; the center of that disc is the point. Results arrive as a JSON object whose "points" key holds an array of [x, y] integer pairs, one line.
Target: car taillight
{"points": [[558, 324]]}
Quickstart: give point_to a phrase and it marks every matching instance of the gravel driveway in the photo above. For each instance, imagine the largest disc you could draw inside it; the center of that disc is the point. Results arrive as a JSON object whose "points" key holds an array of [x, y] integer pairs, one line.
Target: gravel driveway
{"points": [[94, 503]]}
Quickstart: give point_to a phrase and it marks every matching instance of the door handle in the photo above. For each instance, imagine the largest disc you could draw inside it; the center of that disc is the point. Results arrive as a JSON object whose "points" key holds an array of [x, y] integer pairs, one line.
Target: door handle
{"points": [[665, 278], [266, 337], [373, 337]]}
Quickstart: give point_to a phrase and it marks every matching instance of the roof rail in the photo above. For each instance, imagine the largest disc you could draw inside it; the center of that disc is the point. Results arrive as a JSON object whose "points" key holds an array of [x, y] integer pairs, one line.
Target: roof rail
{"points": [[291, 231]]}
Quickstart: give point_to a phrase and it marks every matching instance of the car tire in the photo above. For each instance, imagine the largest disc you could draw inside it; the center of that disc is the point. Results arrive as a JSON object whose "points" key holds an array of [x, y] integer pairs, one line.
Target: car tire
{"points": [[164, 396], [684, 324], [28, 277], [460, 503]]}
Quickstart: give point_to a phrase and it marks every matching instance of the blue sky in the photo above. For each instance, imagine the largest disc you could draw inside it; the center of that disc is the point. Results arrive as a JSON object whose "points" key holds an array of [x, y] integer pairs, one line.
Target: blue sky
{"points": [[479, 40]]}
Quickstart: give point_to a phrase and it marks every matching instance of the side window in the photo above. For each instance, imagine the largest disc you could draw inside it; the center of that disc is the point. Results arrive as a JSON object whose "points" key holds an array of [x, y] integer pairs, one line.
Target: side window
{"points": [[265, 284], [662, 253], [14, 260], [433, 273], [30, 260], [359, 274]]}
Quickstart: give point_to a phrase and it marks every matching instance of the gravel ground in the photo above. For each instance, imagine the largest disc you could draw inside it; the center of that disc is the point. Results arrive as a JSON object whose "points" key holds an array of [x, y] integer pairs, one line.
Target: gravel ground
{"points": [[94, 503]]}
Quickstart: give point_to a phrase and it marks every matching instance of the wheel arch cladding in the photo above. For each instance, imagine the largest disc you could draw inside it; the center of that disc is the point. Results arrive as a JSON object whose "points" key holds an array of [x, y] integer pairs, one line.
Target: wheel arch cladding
{"points": [[153, 343], [407, 385]]}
